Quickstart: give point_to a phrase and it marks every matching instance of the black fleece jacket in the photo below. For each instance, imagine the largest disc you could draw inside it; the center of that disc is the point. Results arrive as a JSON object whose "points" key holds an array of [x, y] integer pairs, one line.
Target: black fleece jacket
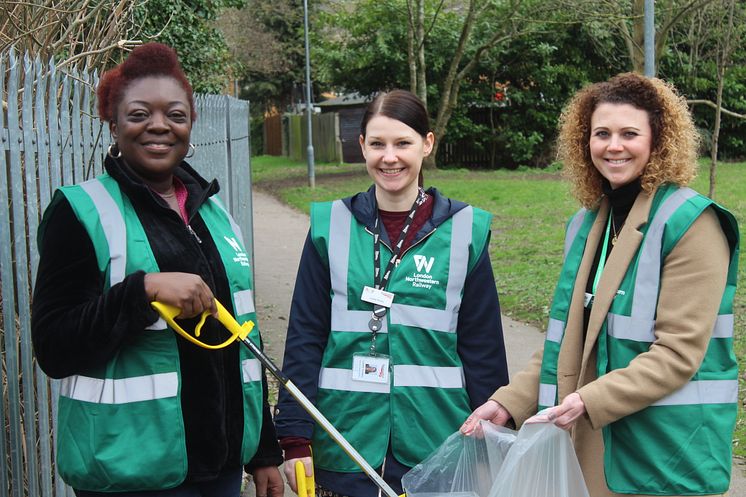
{"points": [[76, 326]]}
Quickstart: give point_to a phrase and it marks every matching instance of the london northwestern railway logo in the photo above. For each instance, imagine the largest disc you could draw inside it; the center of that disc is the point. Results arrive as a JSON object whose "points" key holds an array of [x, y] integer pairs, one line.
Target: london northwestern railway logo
{"points": [[422, 277]]}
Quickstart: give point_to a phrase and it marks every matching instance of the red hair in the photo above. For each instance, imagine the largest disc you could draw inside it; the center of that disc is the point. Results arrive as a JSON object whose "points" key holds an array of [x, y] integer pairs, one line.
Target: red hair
{"points": [[149, 60]]}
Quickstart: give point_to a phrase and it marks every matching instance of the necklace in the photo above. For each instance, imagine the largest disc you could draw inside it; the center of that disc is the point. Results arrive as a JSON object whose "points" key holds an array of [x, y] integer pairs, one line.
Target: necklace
{"points": [[613, 228]]}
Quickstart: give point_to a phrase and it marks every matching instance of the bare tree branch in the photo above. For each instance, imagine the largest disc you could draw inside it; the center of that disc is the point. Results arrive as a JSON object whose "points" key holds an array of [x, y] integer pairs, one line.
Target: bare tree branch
{"points": [[432, 24], [712, 104], [82, 32]]}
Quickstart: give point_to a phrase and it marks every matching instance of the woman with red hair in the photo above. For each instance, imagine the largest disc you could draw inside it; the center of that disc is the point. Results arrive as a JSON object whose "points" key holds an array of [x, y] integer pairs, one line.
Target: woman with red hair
{"points": [[142, 411]]}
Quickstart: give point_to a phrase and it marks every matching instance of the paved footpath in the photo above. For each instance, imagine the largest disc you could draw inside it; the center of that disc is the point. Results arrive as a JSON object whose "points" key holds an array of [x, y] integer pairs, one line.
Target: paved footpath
{"points": [[279, 235]]}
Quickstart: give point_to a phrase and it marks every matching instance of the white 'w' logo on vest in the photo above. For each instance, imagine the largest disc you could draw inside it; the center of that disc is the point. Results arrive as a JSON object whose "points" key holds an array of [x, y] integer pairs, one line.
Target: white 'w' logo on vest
{"points": [[233, 243], [423, 263]]}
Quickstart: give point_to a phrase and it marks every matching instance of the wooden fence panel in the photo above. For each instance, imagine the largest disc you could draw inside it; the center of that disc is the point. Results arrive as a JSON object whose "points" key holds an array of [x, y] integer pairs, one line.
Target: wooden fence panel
{"points": [[272, 130], [325, 135]]}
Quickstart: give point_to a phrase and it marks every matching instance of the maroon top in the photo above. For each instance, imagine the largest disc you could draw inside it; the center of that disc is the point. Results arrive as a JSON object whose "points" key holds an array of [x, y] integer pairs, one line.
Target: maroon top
{"points": [[181, 198], [394, 222]]}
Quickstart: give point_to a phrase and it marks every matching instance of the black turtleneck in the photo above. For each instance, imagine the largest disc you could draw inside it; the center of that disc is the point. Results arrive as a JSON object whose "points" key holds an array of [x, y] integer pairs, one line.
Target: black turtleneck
{"points": [[621, 201]]}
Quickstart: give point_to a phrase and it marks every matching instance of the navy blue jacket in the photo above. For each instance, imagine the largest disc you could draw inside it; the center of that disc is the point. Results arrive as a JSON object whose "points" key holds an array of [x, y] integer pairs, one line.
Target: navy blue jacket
{"points": [[480, 342]]}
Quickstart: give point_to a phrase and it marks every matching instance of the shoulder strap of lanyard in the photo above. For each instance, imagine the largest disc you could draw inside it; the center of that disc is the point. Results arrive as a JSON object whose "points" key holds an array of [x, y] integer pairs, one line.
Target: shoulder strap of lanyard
{"points": [[379, 311]]}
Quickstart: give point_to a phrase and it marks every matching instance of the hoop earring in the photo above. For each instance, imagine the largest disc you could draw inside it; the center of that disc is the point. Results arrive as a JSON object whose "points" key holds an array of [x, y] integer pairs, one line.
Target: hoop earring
{"points": [[114, 147], [192, 150]]}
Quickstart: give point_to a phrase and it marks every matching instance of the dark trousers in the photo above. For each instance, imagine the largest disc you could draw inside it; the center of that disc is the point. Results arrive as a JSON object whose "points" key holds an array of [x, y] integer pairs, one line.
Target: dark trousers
{"points": [[228, 484]]}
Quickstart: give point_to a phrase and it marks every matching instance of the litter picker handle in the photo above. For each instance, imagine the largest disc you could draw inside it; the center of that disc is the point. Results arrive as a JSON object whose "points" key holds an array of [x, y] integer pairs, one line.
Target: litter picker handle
{"points": [[169, 313], [306, 484], [320, 419], [241, 333]]}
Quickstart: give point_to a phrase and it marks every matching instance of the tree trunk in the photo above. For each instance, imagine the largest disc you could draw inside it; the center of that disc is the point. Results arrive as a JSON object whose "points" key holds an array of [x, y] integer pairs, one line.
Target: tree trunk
{"points": [[723, 60], [637, 56], [411, 59], [420, 45], [670, 15], [716, 132], [449, 90]]}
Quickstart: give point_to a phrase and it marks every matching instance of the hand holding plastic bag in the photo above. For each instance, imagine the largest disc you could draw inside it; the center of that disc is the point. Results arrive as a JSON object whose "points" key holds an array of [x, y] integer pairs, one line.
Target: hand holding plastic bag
{"points": [[463, 466], [541, 463]]}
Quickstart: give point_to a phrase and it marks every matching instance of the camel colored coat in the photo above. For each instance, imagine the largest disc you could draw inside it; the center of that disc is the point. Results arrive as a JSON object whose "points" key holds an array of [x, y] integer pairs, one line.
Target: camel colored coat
{"points": [[692, 283]]}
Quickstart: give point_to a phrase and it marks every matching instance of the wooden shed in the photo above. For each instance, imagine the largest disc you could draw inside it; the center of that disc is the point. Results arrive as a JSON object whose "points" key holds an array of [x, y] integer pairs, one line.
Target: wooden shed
{"points": [[350, 109]]}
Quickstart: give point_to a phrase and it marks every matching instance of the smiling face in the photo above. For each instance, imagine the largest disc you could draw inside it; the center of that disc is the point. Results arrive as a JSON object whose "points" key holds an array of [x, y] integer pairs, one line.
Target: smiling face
{"points": [[620, 142], [393, 155], [152, 126]]}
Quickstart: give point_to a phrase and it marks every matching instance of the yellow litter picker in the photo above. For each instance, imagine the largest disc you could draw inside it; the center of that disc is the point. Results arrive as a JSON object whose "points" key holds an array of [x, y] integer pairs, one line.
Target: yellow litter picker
{"points": [[306, 486]]}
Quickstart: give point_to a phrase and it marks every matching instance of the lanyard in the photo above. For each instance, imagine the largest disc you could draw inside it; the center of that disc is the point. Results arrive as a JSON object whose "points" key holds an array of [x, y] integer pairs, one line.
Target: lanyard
{"points": [[601, 260], [379, 311]]}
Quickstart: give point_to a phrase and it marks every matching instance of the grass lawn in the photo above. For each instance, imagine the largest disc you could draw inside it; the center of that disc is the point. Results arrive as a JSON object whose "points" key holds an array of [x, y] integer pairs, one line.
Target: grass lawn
{"points": [[530, 209]]}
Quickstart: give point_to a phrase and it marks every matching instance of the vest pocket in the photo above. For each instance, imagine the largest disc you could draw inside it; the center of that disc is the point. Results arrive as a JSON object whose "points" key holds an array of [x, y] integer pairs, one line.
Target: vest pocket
{"points": [[645, 453], [116, 448]]}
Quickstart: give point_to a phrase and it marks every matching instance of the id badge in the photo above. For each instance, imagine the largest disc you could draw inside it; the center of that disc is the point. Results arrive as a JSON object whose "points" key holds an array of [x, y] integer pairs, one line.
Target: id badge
{"points": [[588, 300], [371, 368], [376, 296]]}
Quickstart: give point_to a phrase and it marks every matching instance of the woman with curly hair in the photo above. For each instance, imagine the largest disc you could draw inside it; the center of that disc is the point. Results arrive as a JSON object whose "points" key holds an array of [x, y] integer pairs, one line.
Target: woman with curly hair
{"points": [[638, 360], [143, 411]]}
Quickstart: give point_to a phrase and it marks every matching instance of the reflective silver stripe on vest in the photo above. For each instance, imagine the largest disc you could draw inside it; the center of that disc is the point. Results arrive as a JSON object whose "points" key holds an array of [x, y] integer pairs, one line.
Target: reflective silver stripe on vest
{"points": [[234, 225], [114, 228], [244, 302], [251, 369], [159, 325], [723, 326], [547, 394], [640, 325], [341, 379], [572, 229], [555, 330], [647, 280], [643, 330], [121, 391], [403, 376], [446, 319], [630, 327], [703, 392], [407, 315], [428, 376], [423, 317], [344, 319]]}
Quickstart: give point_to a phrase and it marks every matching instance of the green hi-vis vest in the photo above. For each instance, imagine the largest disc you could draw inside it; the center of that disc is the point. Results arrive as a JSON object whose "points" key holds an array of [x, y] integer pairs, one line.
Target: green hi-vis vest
{"points": [[120, 426], [681, 444], [425, 399]]}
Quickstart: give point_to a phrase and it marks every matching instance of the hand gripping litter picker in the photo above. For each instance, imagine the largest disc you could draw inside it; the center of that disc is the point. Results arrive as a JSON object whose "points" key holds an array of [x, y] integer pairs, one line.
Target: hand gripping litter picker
{"points": [[239, 332]]}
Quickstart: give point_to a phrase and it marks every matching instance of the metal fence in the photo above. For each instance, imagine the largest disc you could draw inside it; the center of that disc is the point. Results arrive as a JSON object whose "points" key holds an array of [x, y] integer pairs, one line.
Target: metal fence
{"points": [[51, 136]]}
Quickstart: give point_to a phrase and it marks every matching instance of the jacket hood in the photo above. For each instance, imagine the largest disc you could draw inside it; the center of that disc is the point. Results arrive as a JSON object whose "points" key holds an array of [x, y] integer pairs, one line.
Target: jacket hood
{"points": [[364, 207]]}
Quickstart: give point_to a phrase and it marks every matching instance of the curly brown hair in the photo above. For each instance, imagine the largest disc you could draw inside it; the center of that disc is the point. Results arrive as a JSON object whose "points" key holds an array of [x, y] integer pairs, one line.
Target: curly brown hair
{"points": [[673, 155]]}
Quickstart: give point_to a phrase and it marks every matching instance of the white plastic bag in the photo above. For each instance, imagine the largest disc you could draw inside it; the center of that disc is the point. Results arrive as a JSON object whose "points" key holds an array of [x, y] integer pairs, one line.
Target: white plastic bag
{"points": [[541, 463], [463, 466]]}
